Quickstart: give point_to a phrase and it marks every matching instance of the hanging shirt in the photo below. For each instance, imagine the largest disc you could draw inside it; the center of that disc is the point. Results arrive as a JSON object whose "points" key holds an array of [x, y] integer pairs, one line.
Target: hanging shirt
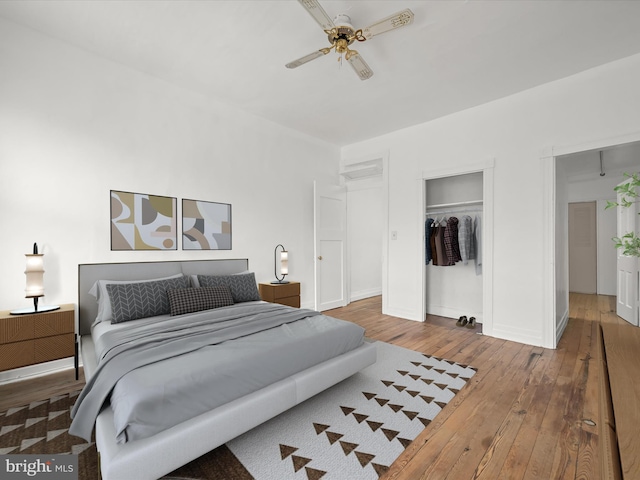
{"points": [[440, 249], [466, 239], [451, 245], [477, 232], [427, 240], [432, 242]]}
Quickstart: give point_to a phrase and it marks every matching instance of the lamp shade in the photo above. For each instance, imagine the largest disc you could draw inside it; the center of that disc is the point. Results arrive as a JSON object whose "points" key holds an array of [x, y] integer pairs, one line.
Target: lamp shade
{"points": [[34, 273], [283, 271], [35, 284], [284, 262]]}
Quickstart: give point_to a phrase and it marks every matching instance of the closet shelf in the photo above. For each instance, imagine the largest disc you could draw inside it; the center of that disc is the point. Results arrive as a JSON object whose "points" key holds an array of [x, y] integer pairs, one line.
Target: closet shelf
{"points": [[455, 204]]}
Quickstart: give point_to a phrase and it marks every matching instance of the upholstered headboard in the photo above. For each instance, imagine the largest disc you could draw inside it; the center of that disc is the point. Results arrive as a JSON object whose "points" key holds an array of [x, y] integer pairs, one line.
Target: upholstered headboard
{"points": [[89, 273]]}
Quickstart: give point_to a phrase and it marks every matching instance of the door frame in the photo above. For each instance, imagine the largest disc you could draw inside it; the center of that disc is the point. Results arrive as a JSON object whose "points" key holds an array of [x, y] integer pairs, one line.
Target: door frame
{"points": [[382, 155], [487, 169], [552, 329]]}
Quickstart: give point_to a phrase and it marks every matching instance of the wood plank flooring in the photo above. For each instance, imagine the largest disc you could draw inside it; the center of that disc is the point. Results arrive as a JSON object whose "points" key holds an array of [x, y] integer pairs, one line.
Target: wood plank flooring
{"points": [[520, 417]]}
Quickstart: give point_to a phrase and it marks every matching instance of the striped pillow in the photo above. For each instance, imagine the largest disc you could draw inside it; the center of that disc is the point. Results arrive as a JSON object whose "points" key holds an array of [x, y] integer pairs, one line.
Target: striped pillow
{"points": [[189, 300]]}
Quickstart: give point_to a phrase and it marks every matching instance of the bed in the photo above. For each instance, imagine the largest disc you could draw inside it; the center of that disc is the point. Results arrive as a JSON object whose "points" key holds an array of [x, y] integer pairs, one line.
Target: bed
{"points": [[150, 453]]}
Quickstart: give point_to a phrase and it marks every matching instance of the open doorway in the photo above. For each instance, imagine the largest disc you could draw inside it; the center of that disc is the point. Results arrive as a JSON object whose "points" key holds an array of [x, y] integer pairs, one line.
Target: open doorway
{"points": [[588, 175], [479, 175], [365, 181]]}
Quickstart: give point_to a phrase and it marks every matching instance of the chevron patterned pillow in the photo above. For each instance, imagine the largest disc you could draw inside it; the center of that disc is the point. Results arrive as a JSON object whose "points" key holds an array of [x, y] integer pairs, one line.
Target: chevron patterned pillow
{"points": [[130, 301], [243, 286]]}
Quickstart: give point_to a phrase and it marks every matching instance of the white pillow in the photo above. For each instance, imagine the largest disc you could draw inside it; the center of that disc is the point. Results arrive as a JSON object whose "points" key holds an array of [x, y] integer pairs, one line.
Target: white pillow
{"points": [[99, 290]]}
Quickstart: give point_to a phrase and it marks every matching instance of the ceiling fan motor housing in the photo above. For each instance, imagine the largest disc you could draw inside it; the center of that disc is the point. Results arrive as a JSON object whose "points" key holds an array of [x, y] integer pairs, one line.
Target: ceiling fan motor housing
{"points": [[343, 31]]}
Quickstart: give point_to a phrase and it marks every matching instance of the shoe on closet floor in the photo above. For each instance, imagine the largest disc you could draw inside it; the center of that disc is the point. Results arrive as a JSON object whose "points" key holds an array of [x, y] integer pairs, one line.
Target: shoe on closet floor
{"points": [[462, 321], [472, 323]]}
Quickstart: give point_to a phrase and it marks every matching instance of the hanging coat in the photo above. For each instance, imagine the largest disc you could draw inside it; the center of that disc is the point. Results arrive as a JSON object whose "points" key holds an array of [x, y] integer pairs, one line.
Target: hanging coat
{"points": [[440, 249], [451, 245], [427, 240], [432, 244]]}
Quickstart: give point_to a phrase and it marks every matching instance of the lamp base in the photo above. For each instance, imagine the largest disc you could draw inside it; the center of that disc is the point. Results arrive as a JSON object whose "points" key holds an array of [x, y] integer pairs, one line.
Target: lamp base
{"points": [[279, 282], [32, 310]]}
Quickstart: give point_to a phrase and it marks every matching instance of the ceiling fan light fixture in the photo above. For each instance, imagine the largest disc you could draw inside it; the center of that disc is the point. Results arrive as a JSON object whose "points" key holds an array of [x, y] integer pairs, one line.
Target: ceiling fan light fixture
{"points": [[341, 33], [343, 20]]}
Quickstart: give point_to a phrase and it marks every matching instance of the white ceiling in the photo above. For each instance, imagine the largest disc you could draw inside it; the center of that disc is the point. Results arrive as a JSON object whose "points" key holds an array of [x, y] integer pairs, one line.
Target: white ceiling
{"points": [[456, 54]]}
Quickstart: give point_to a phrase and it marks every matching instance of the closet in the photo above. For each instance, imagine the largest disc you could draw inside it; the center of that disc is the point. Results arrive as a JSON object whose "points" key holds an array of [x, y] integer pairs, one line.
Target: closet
{"points": [[454, 290]]}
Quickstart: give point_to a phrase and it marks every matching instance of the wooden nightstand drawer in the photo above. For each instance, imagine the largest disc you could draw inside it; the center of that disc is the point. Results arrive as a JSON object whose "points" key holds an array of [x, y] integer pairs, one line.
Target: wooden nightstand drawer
{"points": [[37, 337], [283, 293], [53, 348], [15, 328], [15, 355]]}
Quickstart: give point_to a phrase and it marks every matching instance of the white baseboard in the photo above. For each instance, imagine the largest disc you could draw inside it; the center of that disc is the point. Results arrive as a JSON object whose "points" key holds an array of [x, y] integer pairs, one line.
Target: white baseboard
{"points": [[513, 335], [362, 294], [561, 325], [402, 313]]}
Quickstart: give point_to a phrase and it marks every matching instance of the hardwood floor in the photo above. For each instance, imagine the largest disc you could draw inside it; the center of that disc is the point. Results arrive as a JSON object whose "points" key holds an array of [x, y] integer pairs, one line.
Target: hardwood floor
{"points": [[522, 416]]}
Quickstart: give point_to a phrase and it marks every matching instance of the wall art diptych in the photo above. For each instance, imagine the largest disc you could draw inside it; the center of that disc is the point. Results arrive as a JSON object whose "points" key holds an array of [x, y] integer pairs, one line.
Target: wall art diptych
{"points": [[143, 222], [206, 225]]}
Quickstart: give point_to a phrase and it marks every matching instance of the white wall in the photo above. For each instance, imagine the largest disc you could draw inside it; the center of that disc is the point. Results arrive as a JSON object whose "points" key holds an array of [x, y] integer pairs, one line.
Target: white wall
{"points": [[600, 103], [73, 126]]}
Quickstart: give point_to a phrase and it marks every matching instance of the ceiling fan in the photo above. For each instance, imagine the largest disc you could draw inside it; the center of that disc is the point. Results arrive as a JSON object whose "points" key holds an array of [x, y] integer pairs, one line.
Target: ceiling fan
{"points": [[341, 34]]}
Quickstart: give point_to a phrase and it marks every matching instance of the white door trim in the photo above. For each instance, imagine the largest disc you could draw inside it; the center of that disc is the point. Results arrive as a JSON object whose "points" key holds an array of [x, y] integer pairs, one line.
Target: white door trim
{"points": [[384, 156], [486, 167], [548, 160]]}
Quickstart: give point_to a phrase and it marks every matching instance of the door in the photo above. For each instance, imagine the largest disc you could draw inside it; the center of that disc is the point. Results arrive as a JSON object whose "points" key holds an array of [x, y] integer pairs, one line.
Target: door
{"points": [[330, 214], [583, 253], [627, 267]]}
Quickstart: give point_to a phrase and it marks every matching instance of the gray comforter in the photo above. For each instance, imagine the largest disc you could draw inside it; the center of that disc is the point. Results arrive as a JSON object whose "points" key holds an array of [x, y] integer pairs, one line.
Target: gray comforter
{"points": [[155, 395]]}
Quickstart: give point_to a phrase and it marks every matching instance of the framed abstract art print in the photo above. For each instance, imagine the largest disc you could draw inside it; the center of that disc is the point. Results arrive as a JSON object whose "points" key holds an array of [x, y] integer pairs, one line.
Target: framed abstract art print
{"points": [[206, 225], [143, 222]]}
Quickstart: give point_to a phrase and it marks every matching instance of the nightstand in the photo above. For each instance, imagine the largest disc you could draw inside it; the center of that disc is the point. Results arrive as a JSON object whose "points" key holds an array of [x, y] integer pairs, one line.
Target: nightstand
{"points": [[284, 293], [37, 337]]}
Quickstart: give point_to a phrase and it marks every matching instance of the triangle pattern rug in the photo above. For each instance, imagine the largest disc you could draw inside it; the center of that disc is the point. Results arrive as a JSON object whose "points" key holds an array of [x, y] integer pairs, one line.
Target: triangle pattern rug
{"points": [[354, 430], [357, 428]]}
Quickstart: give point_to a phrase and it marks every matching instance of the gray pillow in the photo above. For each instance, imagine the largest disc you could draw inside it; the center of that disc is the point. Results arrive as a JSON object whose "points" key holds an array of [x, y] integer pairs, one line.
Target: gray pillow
{"points": [[243, 287], [189, 300], [130, 301]]}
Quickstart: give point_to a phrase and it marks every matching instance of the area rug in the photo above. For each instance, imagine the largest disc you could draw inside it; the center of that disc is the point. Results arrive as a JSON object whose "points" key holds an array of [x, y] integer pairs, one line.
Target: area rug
{"points": [[354, 430]]}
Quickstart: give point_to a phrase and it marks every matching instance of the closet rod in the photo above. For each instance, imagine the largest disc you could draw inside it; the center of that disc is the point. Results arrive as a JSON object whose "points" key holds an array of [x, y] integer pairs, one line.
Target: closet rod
{"points": [[456, 204], [444, 212]]}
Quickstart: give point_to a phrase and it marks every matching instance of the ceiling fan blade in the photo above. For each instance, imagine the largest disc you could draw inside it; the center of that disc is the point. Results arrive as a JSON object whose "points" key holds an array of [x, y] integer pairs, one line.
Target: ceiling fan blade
{"points": [[359, 65], [317, 12], [308, 58], [397, 20]]}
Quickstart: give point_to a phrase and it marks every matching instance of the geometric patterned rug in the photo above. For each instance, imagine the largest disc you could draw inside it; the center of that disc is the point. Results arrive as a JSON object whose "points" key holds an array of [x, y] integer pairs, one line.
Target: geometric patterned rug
{"points": [[43, 428], [353, 430], [357, 428]]}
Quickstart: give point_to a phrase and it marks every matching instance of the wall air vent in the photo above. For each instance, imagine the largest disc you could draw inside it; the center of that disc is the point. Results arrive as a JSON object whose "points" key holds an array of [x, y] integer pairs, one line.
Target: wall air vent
{"points": [[359, 171]]}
